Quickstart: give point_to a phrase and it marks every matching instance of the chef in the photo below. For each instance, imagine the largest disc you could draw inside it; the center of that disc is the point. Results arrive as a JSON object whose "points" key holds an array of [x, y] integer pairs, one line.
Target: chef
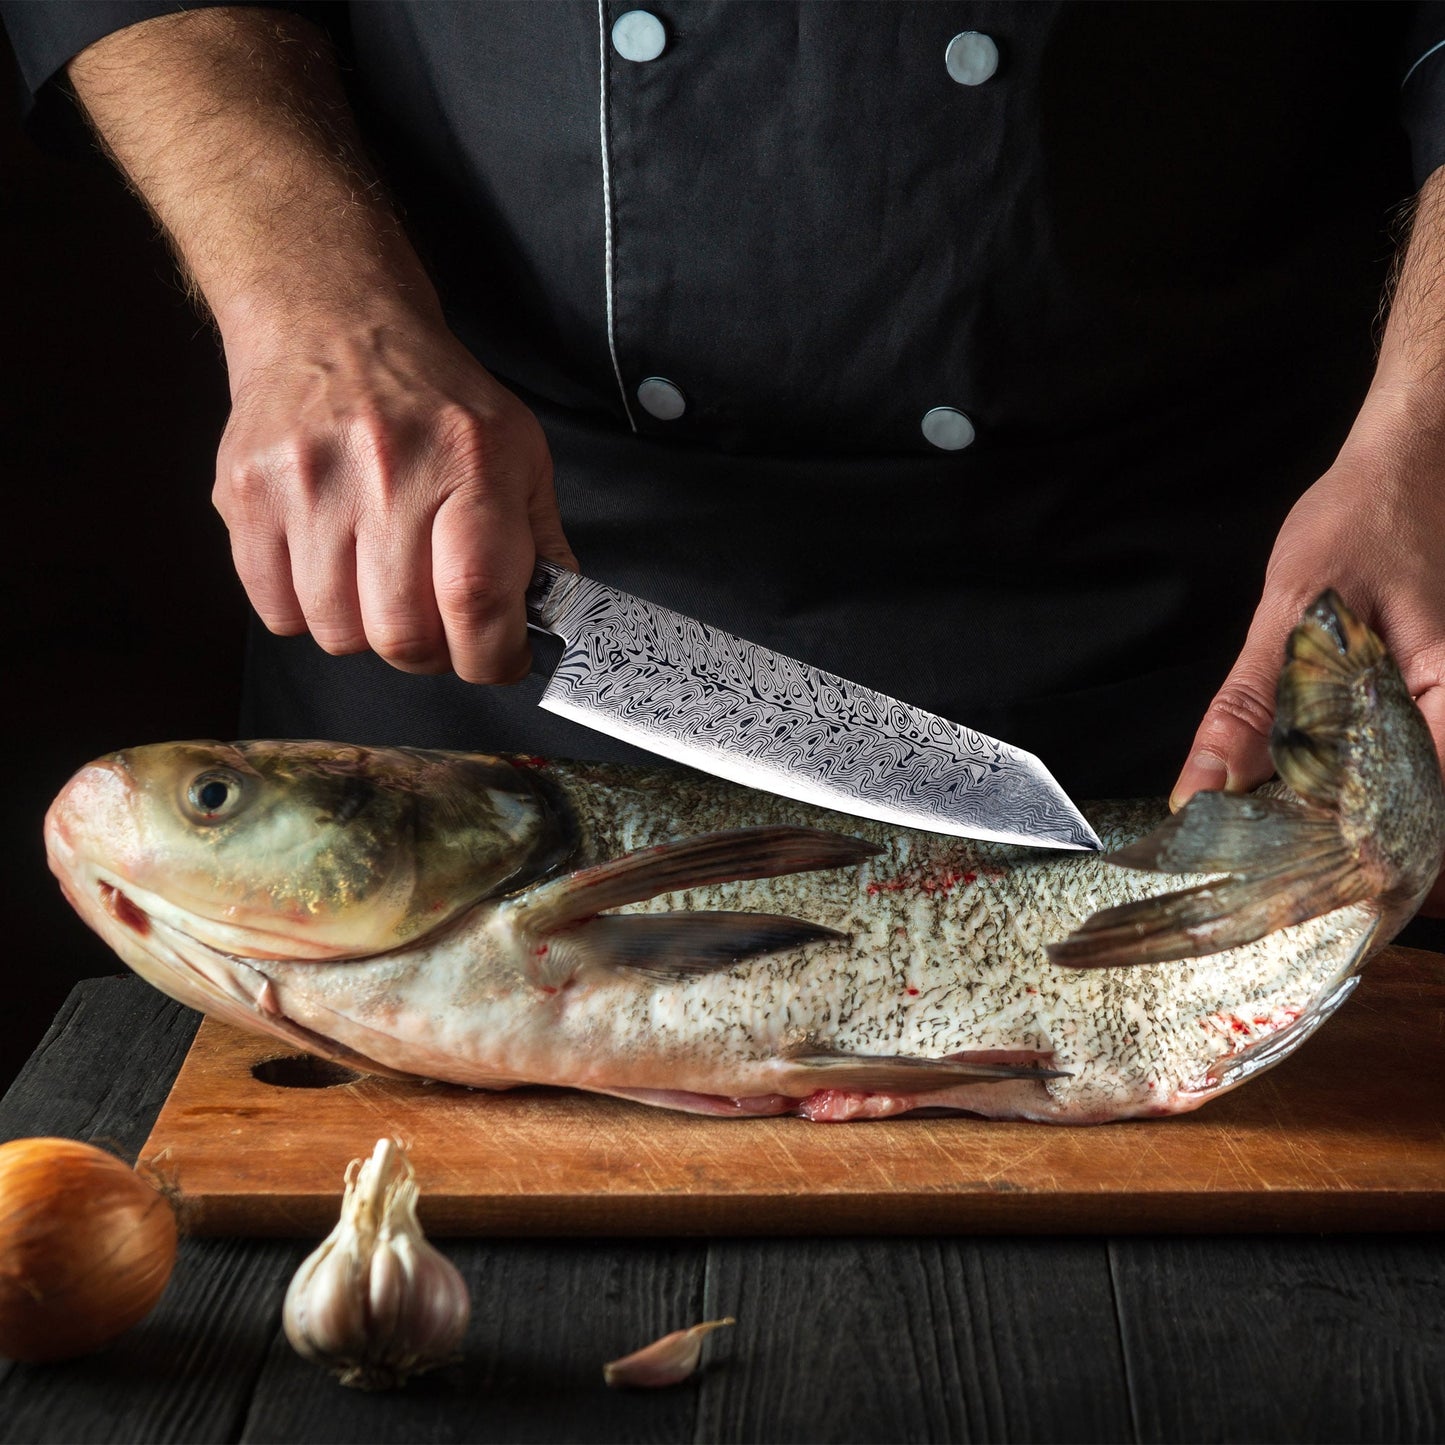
{"points": [[1017, 360]]}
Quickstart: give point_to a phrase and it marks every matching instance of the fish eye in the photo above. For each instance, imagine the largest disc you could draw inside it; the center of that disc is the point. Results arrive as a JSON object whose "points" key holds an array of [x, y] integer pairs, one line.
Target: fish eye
{"points": [[214, 793]]}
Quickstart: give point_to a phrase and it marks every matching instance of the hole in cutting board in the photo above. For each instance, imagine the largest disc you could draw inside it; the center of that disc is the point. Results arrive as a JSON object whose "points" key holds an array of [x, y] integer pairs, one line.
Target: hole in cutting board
{"points": [[302, 1071]]}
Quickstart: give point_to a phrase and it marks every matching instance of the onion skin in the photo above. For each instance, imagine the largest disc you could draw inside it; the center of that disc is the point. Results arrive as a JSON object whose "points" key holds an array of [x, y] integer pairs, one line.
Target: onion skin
{"points": [[86, 1248]]}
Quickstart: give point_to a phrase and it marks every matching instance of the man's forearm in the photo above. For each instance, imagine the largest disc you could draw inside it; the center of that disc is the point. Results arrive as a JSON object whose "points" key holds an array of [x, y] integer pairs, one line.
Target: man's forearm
{"points": [[1407, 395], [381, 489], [232, 126]]}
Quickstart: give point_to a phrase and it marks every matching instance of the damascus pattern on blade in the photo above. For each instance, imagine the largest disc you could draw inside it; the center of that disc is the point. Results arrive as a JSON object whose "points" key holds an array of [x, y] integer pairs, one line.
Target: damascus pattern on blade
{"points": [[705, 697]]}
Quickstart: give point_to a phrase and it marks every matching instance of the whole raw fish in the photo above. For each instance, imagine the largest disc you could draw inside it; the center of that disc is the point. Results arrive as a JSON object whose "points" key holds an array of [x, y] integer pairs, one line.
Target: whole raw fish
{"points": [[456, 916]]}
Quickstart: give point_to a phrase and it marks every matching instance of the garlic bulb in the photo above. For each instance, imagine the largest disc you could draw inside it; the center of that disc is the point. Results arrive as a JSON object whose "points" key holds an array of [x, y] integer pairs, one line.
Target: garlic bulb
{"points": [[86, 1248], [667, 1361], [376, 1303]]}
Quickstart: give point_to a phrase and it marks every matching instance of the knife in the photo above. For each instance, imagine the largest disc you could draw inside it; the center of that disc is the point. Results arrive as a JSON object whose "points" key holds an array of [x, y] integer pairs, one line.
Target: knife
{"points": [[700, 696]]}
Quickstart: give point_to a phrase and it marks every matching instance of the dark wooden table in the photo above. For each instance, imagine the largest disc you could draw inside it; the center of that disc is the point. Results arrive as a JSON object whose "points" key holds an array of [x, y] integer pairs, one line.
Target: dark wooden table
{"points": [[1237, 1338]]}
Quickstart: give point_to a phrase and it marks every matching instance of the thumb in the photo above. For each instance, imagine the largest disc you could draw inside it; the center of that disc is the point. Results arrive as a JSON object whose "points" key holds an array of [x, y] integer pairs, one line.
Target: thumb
{"points": [[1230, 751]]}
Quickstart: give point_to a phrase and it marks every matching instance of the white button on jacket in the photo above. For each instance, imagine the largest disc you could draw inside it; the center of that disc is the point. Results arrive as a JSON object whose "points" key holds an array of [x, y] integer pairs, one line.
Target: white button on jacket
{"points": [[971, 57], [660, 398], [638, 35], [948, 429]]}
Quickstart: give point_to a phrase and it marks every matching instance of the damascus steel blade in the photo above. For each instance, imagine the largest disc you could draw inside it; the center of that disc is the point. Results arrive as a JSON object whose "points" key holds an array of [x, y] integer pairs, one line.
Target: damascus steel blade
{"points": [[700, 696]]}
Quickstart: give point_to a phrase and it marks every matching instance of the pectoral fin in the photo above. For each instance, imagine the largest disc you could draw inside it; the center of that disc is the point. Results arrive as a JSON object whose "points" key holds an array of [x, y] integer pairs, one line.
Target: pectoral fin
{"points": [[674, 945], [688, 863], [1315, 706], [559, 926]]}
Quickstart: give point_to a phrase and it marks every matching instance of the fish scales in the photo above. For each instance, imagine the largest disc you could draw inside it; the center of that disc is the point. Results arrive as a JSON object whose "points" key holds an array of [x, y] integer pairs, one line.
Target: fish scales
{"points": [[673, 938]]}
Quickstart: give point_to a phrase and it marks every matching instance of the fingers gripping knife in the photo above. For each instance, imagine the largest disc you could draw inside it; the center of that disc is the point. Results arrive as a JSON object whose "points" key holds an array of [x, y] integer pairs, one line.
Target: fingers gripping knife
{"points": [[700, 696]]}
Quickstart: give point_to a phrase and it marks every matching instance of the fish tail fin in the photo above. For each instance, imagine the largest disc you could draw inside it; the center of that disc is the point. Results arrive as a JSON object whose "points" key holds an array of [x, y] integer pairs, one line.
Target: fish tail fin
{"points": [[1286, 859], [1317, 701]]}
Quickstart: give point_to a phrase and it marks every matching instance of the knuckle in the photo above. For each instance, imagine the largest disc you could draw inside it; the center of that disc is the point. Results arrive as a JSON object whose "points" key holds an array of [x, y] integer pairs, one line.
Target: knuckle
{"points": [[490, 455], [371, 439], [457, 430], [242, 489], [280, 622], [260, 483], [469, 594], [334, 627], [273, 605]]}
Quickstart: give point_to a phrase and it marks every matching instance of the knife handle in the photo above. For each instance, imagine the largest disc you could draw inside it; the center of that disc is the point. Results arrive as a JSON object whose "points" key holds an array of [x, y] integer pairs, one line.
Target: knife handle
{"points": [[548, 593]]}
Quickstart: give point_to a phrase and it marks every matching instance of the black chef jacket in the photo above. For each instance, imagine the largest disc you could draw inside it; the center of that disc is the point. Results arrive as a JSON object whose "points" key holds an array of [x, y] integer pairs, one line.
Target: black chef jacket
{"points": [[760, 268]]}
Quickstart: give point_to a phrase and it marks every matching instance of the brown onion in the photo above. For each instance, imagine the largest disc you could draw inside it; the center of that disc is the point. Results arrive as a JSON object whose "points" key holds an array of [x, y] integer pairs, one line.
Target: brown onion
{"points": [[86, 1248]]}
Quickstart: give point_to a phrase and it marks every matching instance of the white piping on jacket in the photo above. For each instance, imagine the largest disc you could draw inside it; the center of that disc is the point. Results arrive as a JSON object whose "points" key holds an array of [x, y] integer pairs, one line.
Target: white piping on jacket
{"points": [[607, 206], [1417, 64]]}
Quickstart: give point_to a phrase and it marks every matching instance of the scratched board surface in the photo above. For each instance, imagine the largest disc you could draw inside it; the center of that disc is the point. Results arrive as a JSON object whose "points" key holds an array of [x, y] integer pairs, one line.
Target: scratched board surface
{"points": [[1349, 1134]]}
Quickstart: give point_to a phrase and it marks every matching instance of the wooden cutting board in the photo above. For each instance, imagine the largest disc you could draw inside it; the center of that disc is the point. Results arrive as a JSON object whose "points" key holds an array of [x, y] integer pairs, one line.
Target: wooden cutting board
{"points": [[1349, 1134]]}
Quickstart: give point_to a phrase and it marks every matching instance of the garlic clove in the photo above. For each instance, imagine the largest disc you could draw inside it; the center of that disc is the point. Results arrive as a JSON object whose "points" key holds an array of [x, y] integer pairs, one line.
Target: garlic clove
{"points": [[375, 1303], [667, 1361], [322, 1316], [388, 1283], [439, 1306]]}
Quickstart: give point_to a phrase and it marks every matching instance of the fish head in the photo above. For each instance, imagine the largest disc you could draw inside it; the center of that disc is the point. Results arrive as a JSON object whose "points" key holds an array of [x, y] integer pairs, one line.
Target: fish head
{"points": [[289, 850]]}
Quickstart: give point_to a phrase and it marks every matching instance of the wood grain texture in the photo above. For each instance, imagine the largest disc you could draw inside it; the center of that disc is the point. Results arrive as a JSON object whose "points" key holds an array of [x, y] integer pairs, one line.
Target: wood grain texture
{"points": [[1284, 1339], [917, 1339], [1341, 1136], [103, 1068], [186, 1373]]}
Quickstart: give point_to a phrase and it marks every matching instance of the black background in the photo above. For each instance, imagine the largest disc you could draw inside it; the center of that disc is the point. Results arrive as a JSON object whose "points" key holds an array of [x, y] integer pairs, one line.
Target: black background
{"points": [[123, 621]]}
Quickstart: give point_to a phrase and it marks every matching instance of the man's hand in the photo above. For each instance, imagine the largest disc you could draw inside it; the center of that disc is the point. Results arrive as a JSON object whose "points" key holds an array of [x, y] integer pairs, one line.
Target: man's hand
{"points": [[381, 488], [383, 491], [1373, 528]]}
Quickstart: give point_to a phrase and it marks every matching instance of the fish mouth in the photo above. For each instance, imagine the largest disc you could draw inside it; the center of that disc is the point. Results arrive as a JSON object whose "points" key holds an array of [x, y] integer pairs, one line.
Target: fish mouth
{"points": [[120, 907], [229, 987], [223, 986], [171, 958]]}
